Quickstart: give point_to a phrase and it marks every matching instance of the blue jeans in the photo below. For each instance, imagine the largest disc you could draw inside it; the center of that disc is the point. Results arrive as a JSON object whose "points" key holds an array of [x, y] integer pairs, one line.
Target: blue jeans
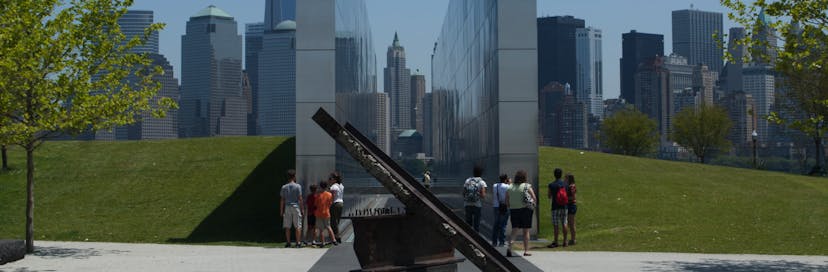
{"points": [[499, 231], [473, 217]]}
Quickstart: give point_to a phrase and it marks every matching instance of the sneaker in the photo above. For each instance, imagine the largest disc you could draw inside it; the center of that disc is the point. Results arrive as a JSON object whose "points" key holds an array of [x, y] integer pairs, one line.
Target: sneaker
{"points": [[552, 245], [287, 245], [335, 243]]}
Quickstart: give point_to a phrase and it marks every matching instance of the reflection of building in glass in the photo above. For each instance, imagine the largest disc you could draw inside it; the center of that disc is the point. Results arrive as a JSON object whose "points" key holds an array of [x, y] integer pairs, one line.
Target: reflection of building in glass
{"points": [[693, 37], [637, 48], [486, 66], [589, 70], [398, 86], [409, 143], [277, 81], [252, 46], [211, 98], [428, 128], [652, 94]]}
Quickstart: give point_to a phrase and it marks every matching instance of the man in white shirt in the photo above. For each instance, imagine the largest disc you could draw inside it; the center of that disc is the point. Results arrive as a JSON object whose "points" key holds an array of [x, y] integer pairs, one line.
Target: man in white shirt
{"points": [[337, 189]]}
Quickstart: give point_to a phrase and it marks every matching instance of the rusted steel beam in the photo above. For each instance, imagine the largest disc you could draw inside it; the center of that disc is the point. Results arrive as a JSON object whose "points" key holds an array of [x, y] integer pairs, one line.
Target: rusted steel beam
{"points": [[415, 197]]}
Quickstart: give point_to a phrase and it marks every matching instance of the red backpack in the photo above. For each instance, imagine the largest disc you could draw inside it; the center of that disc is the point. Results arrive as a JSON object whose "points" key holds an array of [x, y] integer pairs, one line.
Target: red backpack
{"points": [[561, 199]]}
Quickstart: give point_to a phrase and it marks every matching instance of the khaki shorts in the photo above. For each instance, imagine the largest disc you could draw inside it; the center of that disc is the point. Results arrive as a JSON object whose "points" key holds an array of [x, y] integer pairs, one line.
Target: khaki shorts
{"points": [[323, 223], [293, 217]]}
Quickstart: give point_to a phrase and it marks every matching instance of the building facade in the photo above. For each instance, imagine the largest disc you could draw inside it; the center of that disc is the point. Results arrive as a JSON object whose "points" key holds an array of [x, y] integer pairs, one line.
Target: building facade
{"points": [[637, 47], [653, 96], [133, 23], [418, 90], [693, 37], [759, 81], [731, 78], [557, 50], [277, 11], [589, 70], [211, 103], [252, 47], [398, 86], [739, 106], [277, 81]]}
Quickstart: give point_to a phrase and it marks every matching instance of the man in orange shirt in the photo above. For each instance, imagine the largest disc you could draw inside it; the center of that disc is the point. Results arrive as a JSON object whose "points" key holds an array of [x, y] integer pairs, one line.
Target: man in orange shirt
{"points": [[323, 213]]}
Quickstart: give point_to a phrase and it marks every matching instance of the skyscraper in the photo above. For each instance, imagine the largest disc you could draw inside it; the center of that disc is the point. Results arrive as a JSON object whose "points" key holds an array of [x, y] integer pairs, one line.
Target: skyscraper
{"points": [[252, 46], [133, 23], [211, 96], [739, 107], [637, 48], [760, 82], [398, 87], [589, 69], [277, 81], [703, 84], [556, 50], [277, 11], [652, 94], [693, 37], [418, 88], [731, 78]]}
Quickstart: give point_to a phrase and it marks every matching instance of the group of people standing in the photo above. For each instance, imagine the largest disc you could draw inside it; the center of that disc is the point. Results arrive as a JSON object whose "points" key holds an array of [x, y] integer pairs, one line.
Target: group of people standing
{"points": [[322, 207], [516, 200]]}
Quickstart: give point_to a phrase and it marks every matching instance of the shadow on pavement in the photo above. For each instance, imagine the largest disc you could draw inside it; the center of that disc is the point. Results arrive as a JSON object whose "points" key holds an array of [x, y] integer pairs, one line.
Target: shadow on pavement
{"points": [[251, 213], [710, 265], [74, 253]]}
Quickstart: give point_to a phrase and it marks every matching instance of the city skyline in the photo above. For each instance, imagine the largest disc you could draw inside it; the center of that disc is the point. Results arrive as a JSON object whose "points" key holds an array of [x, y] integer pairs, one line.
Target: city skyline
{"points": [[418, 33]]}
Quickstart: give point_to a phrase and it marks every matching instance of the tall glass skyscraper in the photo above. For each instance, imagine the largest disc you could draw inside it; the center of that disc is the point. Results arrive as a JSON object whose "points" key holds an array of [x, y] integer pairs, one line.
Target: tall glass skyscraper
{"points": [[590, 70], [693, 32], [252, 46], [277, 11], [133, 23], [556, 50], [637, 48], [277, 81], [212, 103]]}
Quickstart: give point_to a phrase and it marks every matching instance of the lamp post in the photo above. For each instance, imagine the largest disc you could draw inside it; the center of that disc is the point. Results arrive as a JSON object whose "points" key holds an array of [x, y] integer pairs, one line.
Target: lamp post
{"points": [[754, 136]]}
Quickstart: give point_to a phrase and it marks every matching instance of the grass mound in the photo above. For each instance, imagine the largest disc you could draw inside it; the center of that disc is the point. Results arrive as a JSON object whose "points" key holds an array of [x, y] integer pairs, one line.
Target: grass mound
{"points": [[637, 204]]}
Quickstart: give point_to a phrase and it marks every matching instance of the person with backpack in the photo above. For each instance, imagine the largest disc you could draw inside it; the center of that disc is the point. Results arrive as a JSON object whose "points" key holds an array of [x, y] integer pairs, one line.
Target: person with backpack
{"points": [[521, 199], [572, 207], [474, 191], [501, 210], [557, 195]]}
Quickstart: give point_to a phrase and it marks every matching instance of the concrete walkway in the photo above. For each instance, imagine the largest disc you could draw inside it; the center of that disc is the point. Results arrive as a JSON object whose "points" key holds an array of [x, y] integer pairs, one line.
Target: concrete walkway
{"points": [[79, 256]]}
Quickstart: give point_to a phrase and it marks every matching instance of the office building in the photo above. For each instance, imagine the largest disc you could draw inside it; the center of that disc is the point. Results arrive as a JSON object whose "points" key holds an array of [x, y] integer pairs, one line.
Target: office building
{"points": [[739, 106], [703, 84], [277, 11], [252, 47], [589, 70], [731, 78], [557, 50], [637, 48], [418, 89], [398, 86], [211, 103], [697, 35], [277, 81], [653, 96], [759, 81], [133, 23], [428, 128]]}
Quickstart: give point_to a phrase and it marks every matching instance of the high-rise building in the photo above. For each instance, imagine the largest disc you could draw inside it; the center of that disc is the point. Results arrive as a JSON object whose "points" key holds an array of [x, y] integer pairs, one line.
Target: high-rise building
{"points": [[549, 106], [681, 73], [277, 81], [697, 35], [703, 84], [211, 56], [398, 86], [589, 70], [731, 78], [252, 46], [653, 96], [759, 81], [557, 50], [567, 124], [739, 107], [277, 11], [418, 89], [637, 48], [133, 23]]}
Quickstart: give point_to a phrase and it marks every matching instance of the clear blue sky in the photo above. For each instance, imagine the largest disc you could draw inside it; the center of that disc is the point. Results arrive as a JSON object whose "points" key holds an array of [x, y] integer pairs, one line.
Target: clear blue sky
{"points": [[418, 23]]}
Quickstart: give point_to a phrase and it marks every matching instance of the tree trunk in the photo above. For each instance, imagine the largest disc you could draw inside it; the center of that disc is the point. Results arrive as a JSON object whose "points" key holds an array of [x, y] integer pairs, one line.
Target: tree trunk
{"points": [[5, 158], [30, 198], [818, 170]]}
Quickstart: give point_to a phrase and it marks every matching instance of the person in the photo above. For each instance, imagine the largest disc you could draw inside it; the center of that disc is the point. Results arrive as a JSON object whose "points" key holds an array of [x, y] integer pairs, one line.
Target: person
{"points": [[310, 209], [474, 191], [521, 199], [323, 214], [572, 207], [427, 179], [558, 210], [290, 207], [337, 190], [501, 210]]}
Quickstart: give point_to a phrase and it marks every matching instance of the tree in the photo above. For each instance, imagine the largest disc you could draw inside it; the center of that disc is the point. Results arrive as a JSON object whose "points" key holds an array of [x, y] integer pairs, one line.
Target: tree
{"points": [[630, 132], [66, 67], [702, 130], [803, 29]]}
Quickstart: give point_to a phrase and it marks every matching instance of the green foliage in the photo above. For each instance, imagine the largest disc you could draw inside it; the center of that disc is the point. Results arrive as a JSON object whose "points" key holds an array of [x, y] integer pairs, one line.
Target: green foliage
{"points": [[64, 68], [803, 29], [208, 190], [647, 205], [630, 132], [702, 130]]}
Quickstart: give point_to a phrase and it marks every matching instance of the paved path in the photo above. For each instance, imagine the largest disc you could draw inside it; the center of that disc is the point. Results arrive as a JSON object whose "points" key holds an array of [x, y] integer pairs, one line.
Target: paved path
{"points": [[78, 256]]}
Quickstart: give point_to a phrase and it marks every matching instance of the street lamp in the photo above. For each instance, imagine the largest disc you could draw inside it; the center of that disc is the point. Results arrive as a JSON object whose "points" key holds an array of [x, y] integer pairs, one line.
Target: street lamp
{"points": [[754, 136]]}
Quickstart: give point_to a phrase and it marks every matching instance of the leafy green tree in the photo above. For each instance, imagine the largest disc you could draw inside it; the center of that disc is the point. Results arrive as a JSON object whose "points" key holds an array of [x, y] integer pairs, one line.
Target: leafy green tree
{"points": [[702, 130], [803, 28], [66, 67], [630, 132]]}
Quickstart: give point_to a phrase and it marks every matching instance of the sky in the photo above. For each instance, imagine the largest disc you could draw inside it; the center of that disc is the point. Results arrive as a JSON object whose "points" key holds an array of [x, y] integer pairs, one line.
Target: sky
{"points": [[418, 23]]}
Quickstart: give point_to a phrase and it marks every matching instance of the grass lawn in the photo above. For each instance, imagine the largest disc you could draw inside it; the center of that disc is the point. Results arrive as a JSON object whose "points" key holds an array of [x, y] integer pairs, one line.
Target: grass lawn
{"points": [[636, 204], [209, 190]]}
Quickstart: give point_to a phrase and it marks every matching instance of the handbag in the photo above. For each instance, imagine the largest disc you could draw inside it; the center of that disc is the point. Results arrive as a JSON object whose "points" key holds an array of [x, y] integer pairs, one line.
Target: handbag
{"points": [[528, 201]]}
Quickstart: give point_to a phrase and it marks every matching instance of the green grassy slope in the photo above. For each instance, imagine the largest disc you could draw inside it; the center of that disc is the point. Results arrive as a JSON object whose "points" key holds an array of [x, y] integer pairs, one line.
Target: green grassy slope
{"points": [[193, 191], [636, 204]]}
